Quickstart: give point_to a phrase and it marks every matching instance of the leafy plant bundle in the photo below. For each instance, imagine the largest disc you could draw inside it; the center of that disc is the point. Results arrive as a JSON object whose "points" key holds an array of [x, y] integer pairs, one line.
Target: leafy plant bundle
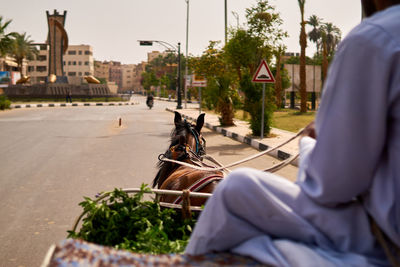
{"points": [[128, 222]]}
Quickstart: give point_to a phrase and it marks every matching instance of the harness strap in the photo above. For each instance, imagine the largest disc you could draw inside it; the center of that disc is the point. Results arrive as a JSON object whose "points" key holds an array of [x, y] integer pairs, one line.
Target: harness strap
{"points": [[200, 184]]}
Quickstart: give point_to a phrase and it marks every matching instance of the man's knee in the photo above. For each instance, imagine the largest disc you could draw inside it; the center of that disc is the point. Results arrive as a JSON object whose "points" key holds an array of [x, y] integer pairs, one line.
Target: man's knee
{"points": [[239, 180]]}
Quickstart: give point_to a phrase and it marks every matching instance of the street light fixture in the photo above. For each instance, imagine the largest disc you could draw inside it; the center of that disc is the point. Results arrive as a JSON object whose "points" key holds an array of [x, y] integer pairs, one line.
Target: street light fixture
{"points": [[176, 49]]}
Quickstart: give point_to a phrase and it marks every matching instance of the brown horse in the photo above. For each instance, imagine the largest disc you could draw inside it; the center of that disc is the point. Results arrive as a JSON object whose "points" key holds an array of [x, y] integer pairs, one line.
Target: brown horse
{"points": [[187, 145]]}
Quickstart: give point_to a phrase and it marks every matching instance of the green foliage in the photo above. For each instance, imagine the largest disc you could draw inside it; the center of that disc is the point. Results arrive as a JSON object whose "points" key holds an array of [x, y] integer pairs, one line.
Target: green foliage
{"points": [[4, 102], [149, 79], [22, 48], [219, 92], [124, 222]]}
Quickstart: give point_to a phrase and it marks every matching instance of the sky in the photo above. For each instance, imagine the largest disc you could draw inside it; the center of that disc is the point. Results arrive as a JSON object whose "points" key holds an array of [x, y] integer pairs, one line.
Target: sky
{"points": [[113, 28]]}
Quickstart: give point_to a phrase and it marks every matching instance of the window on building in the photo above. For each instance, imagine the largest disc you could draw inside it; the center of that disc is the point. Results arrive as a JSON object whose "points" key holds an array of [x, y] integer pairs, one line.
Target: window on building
{"points": [[80, 52], [42, 57], [74, 63], [41, 68], [87, 73], [69, 63], [87, 52], [86, 63], [72, 52], [80, 63], [64, 63], [80, 73], [72, 73], [31, 68]]}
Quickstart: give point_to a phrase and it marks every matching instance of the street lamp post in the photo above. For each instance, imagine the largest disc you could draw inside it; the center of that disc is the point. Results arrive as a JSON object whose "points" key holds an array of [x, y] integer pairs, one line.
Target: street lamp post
{"points": [[187, 49], [179, 106], [176, 49]]}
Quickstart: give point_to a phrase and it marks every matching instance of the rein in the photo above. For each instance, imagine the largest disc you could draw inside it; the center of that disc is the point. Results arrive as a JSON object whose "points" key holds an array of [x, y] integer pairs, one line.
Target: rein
{"points": [[271, 169]]}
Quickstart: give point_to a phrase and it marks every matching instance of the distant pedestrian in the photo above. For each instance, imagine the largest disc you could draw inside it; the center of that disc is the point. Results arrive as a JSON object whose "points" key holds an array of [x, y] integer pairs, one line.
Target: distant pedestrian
{"points": [[69, 97]]}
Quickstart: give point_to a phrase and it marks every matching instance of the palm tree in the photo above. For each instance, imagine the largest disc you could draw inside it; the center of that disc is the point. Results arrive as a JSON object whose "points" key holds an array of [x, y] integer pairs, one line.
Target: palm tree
{"points": [[330, 36], [279, 52], [303, 45], [5, 39], [315, 34], [22, 48], [333, 37]]}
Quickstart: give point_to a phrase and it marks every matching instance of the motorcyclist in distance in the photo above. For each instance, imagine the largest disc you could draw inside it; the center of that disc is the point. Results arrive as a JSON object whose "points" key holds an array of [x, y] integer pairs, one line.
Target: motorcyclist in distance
{"points": [[150, 100]]}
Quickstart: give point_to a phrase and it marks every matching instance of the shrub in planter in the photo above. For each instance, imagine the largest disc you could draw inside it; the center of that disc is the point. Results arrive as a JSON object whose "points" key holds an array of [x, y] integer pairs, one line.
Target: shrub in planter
{"points": [[4, 102], [128, 222]]}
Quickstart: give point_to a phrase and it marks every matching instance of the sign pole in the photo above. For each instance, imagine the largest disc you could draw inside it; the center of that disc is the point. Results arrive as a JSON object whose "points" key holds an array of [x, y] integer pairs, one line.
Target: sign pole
{"points": [[262, 112], [263, 75], [199, 100]]}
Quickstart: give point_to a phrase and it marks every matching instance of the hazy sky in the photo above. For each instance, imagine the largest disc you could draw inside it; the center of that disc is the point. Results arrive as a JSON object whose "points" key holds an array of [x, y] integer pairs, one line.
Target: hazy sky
{"points": [[112, 28]]}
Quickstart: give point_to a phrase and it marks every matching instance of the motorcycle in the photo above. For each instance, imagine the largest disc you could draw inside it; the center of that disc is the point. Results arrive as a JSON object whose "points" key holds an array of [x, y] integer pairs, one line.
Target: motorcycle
{"points": [[150, 103]]}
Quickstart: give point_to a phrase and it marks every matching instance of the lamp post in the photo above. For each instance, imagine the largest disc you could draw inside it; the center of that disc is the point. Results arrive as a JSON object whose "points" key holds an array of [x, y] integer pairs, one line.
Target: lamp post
{"points": [[187, 48], [176, 49], [226, 22]]}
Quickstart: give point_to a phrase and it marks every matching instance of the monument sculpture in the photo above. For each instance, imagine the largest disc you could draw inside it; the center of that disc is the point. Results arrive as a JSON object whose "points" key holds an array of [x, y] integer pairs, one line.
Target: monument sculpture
{"points": [[57, 83], [58, 42]]}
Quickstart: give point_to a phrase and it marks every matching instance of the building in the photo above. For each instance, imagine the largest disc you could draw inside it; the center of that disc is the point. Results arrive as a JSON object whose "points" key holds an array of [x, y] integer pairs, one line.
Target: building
{"points": [[101, 70], [154, 54], [115, 73], [137, 77], [78, 62], [38, 68], [127, 72]]}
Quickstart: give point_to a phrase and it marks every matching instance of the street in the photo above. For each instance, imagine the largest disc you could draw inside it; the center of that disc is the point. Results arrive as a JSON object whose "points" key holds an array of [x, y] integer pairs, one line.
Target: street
{"points": [[52, 157]]}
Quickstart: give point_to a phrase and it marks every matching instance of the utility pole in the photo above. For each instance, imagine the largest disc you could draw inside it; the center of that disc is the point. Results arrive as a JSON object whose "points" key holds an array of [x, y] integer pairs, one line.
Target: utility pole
{"points": [[187, 49], [179, 106], [226, 22]]}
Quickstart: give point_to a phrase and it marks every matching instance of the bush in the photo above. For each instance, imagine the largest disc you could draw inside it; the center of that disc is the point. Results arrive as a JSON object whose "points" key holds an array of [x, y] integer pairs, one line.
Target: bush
{"points": [[4, 103], [130, 223]]}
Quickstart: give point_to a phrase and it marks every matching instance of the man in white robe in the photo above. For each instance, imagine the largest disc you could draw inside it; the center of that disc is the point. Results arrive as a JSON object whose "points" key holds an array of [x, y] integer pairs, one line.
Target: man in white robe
{"points": [[347, 175]]}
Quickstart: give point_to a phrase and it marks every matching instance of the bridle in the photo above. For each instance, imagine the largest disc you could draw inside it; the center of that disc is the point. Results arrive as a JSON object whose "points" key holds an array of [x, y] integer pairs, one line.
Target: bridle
{"points": [[200, 141], [183, 151]]}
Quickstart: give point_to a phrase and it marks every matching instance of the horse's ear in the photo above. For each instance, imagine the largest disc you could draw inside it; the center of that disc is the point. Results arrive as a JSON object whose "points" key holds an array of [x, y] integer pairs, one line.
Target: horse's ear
{"points": [[178, 118], [200, 122]]}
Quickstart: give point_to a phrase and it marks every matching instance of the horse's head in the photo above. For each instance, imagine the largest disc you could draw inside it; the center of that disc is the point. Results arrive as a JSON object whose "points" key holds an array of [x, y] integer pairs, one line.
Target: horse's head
{"points": [[186, 143], [191, 134]]}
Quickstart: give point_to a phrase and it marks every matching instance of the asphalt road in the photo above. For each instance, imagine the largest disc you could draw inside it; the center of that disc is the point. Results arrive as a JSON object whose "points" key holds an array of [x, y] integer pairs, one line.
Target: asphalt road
{"points": [[52, 157]]}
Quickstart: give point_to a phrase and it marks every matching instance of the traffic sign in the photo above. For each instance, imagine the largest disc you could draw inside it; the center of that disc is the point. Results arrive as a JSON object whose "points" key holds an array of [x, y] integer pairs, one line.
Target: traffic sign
{"points": [[263, 74], [199, 81]]}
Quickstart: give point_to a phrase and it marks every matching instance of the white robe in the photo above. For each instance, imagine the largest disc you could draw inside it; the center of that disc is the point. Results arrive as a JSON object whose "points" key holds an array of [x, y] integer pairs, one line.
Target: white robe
{"points": [[352, 170]]}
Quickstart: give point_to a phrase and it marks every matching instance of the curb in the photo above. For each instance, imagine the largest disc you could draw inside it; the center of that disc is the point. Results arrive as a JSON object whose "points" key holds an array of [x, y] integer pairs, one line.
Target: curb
{"points": [[279, 154], [72, 104]]}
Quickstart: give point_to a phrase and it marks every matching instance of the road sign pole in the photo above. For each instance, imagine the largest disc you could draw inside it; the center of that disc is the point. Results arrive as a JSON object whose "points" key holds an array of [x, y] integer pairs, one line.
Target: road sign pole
{"points": [[263, 111], [199, 100]]}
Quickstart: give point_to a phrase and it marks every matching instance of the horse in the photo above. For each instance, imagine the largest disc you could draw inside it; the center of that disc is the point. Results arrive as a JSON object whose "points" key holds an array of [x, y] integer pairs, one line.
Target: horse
{"points": [[186, 145]]}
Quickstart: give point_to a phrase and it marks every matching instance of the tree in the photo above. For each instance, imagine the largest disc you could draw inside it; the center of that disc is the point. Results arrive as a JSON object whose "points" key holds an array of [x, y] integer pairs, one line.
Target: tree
{"points": [[315, 34], [278, 77], [330, 36], [5, 38], [218, 93], [244, 52], [303, 45], [22, 48]]}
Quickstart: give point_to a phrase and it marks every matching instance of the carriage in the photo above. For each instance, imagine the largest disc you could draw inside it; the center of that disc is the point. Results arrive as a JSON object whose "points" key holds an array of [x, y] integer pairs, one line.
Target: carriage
{"points": [[186, 177]]}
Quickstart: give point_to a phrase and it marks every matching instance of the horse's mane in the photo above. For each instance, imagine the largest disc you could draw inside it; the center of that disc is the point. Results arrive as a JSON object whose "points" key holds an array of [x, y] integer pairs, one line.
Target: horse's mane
{"points": [[180, 131]]}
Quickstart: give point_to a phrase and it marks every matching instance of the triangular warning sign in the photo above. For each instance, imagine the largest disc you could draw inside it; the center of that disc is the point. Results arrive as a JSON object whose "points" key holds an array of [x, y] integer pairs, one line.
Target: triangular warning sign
{"points": [[263, 74]]}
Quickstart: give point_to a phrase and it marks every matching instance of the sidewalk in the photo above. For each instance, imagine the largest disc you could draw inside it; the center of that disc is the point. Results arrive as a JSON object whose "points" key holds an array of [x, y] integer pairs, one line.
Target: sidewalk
{"points": [[242, 133], [40, 105]]}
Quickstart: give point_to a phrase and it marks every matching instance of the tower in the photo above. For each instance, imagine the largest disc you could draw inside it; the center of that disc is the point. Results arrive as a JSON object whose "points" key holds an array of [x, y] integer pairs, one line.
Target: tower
{"points": [[58, 42]]}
